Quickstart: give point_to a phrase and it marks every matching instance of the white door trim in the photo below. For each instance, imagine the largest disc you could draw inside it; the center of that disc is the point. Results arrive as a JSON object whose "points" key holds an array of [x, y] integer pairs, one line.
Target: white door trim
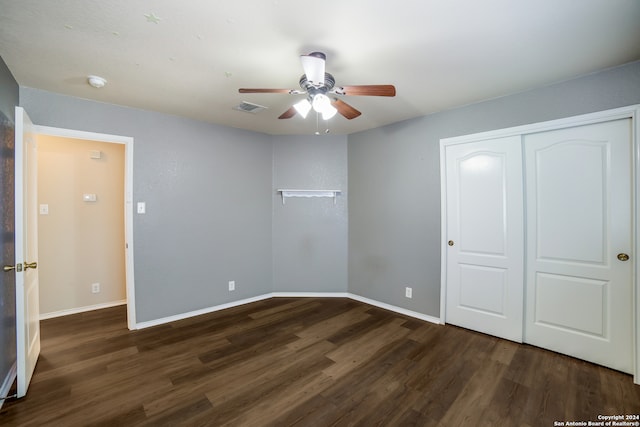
{"points": [[632, 112], [128, 202]]}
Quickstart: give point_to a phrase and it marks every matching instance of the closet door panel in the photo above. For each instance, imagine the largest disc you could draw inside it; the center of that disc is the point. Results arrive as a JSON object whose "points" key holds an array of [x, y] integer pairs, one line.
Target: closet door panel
{"points": [[484, 236], [578, 197], [571, 186]]}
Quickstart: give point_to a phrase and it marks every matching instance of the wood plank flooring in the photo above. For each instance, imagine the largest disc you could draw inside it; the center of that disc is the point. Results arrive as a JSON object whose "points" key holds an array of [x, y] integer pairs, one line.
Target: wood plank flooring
{"points": [[304, 362]]}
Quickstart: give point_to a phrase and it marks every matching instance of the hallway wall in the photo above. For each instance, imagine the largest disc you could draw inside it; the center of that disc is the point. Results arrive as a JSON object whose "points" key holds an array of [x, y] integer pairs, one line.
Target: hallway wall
{"points": [[80, 242]]}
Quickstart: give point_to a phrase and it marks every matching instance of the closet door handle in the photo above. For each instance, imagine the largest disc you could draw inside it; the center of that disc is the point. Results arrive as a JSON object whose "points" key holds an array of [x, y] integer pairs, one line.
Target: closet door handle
{"points": [[623, 257], [450, 243]]}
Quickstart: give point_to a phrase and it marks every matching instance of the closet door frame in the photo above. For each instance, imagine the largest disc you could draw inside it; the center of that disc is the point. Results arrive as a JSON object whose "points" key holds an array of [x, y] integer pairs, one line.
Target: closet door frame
{"points": [[630, 112]]}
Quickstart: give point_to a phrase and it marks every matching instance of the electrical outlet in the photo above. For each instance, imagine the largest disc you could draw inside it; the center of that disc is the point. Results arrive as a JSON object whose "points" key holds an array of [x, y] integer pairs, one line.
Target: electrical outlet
{"points": [[95, 288], [408, 292], [232, 285]]}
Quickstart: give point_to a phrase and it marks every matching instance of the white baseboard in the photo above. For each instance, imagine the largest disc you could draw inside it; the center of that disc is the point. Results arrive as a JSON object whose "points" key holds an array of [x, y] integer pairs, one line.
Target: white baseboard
{"points": [[400, 310], [77, 310], [310, 294], [156, 322], [7, 383], [396, 309]]}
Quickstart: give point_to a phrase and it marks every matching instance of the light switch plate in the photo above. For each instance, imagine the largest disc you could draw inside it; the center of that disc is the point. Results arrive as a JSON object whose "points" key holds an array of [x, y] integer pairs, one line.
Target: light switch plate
{"points": [[142, 207], [44, 209]]}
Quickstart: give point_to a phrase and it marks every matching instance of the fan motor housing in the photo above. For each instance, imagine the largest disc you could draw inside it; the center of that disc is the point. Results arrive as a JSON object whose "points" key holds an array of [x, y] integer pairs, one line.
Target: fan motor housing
{"points": [[329, 83]]}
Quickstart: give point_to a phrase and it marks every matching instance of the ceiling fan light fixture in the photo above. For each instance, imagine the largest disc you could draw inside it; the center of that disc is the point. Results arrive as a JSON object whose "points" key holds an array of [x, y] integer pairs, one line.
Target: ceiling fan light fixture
{"points": [[322, 104], [329, 112], [303, 107], [320, 90]]}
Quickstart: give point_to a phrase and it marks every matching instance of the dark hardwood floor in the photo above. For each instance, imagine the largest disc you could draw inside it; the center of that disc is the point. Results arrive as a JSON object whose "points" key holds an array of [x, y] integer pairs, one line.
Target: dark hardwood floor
{"points": [[305, 362]]}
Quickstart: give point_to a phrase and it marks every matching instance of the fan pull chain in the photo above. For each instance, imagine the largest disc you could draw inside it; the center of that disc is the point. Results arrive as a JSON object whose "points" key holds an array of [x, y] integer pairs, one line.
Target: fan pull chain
{"points": [[318, 125]]}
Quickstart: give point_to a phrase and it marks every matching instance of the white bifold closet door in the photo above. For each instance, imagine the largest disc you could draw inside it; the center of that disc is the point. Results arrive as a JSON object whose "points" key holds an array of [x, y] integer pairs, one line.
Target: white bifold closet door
{"points": [[579, 225]]}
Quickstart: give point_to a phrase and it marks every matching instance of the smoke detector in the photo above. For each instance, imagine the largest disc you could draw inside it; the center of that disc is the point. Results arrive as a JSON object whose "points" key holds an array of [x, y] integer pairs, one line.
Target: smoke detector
{"points": [[96, 81]]}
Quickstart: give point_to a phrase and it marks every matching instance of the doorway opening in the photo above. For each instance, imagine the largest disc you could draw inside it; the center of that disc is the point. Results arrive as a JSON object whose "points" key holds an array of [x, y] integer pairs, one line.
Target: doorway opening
{"points": [[102, 154]]}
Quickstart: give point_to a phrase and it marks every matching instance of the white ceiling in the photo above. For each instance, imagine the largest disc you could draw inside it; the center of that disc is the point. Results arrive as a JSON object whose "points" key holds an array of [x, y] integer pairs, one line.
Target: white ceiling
{"points": [[438, 53]]}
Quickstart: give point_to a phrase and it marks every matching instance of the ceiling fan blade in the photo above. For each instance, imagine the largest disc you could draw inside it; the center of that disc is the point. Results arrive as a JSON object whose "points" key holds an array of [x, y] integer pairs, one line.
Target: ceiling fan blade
{"points": [[288, 114], [313, 66], [265, 90], [367, 90], [345, 109]]}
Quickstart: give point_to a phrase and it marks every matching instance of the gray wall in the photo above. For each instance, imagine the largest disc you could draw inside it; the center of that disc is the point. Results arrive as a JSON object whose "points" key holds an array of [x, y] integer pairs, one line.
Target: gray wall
{"points": [[310, 234], [213, 213], [394, 181], [8, 101], [208, 195], [8, 92]]}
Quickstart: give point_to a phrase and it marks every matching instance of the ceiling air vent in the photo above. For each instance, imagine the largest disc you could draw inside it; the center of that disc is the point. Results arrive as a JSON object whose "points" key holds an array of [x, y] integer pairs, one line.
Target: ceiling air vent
{"points": [[248, 107]]}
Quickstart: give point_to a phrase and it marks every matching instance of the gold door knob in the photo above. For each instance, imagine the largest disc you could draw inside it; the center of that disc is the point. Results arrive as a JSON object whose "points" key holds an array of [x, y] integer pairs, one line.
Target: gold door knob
{"points": [[623, 257], [450, 243], [17, 267], [33, 265]]}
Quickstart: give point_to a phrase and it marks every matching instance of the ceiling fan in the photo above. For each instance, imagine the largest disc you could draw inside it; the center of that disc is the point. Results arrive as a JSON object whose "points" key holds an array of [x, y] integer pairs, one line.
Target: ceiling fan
{"points": [[321, 90]]}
